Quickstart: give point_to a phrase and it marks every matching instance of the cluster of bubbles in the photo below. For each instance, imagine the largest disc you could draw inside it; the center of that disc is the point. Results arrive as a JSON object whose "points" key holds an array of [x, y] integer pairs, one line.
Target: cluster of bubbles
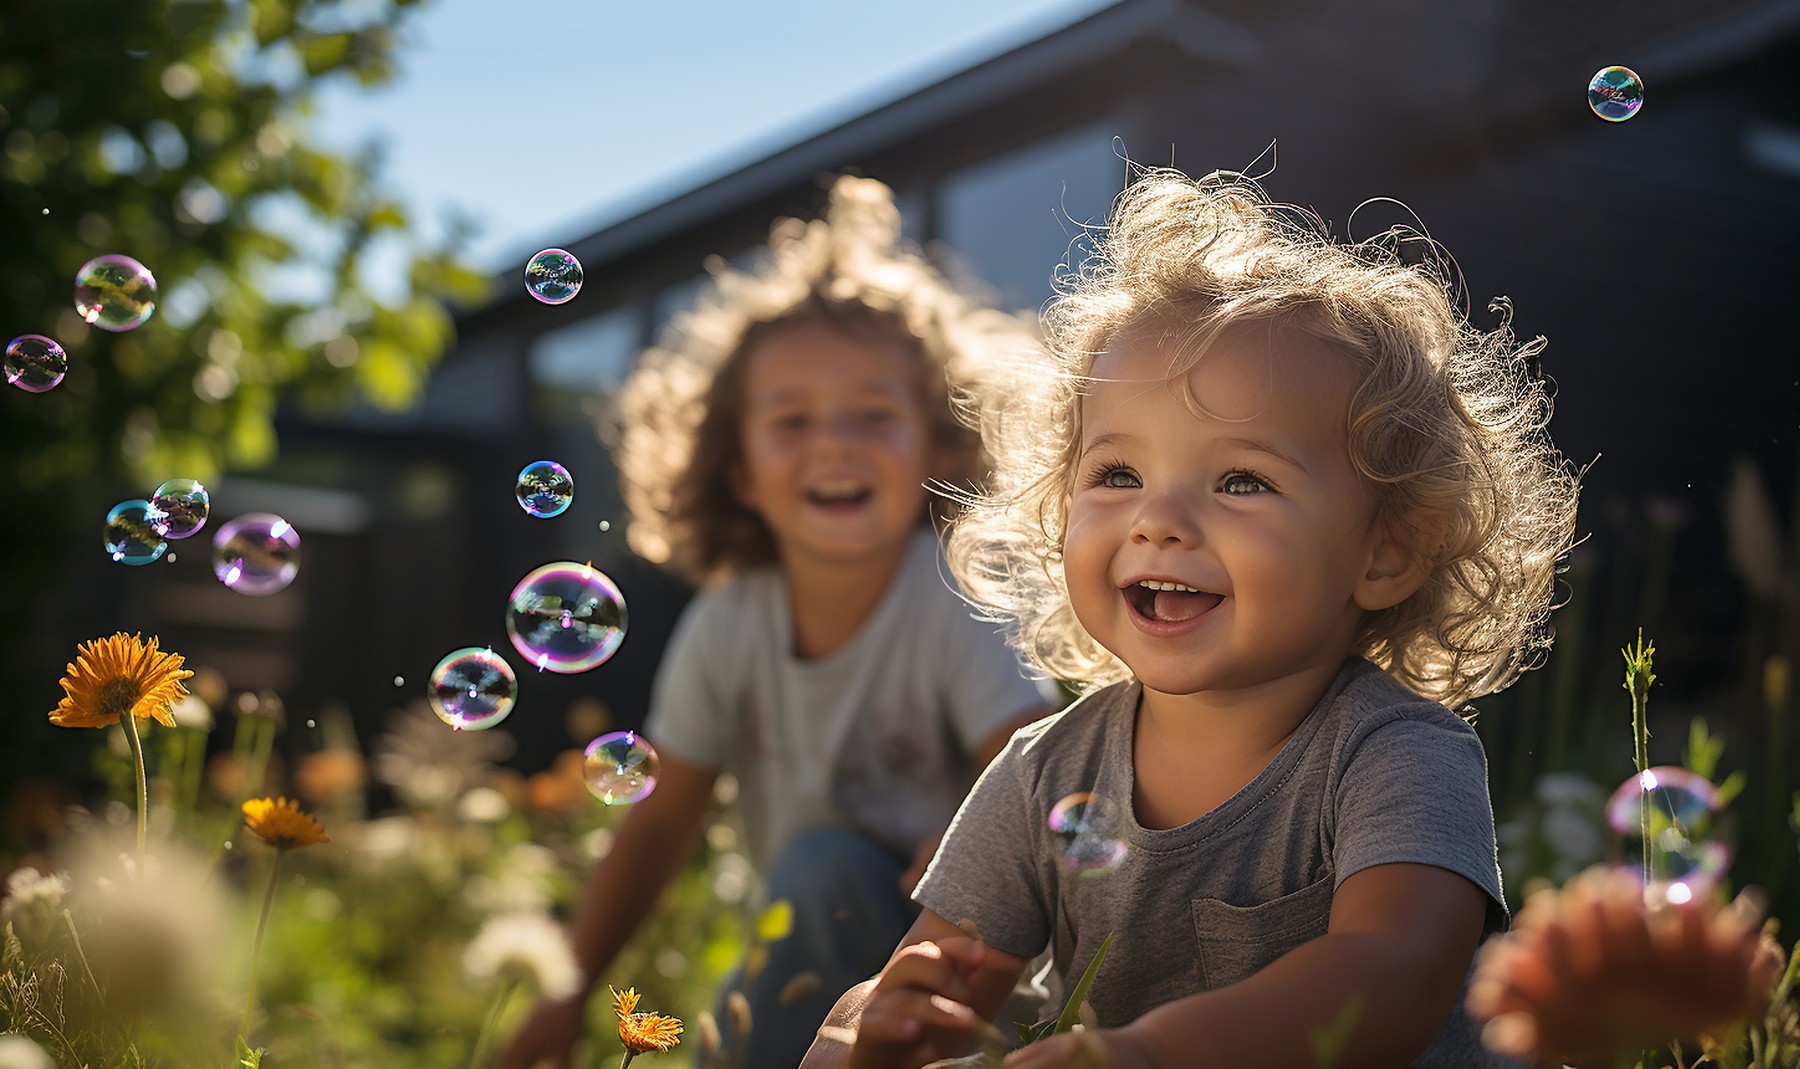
{"points": [[545, 489], [553, 276], [139, 531], [1087, 828], [620, 767], [1615, 93], [566, 617], [256, 553], [1663, 817], [112, 292], [472, 689]]}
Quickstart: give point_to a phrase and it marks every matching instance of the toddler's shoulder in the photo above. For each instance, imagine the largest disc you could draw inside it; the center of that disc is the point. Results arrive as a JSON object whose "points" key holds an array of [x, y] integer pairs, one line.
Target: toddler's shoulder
{"points": [[1372, 702]]}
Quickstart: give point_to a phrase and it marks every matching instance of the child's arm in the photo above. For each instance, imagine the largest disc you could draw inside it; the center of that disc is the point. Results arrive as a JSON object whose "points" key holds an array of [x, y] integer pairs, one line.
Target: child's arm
{"points": [[1383, 979], [655, 840], [932, 1000]]}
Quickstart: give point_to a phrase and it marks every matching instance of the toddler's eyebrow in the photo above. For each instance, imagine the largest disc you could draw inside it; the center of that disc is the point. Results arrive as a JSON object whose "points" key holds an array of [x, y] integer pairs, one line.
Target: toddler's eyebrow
{"points": [[1258, 446], [1109, 438]]}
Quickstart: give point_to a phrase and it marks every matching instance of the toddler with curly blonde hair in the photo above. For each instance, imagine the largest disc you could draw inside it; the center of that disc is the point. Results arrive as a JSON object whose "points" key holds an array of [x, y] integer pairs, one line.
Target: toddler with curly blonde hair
{"points": [[775, 450], [1276, 504]]}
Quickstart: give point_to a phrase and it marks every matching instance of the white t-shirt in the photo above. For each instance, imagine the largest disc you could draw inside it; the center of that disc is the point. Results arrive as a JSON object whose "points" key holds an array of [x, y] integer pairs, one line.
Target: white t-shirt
{"points": [[874, 737]]}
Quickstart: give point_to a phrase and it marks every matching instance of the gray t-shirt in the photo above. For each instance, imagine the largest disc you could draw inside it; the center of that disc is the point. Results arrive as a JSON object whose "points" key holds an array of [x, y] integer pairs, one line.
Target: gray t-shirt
{"points": [[1373, 775], [875, 736]]}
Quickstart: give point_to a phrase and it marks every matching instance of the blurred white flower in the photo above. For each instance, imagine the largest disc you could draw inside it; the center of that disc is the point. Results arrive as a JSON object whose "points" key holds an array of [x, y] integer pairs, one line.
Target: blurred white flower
{"points": [[18, 1052], [192, 712], [1569, 789], [27, 886], [483, 805], [523, 946], [523, 882]]}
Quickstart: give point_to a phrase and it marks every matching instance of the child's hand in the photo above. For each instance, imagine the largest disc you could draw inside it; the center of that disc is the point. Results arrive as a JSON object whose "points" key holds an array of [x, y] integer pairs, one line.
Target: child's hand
{"points": [[918, 1011], [1589, 972]]}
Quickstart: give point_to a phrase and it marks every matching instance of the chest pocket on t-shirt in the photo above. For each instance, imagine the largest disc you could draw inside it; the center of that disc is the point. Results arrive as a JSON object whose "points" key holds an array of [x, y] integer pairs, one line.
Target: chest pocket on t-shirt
{"points": [[1236, 941]]}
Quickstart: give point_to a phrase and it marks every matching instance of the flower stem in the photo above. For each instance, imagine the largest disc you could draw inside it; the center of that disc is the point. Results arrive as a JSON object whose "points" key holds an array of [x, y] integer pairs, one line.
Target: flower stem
{"points": [[1638, 678], [129, 719], [625, 1061], [262, 925], [501, 998]]}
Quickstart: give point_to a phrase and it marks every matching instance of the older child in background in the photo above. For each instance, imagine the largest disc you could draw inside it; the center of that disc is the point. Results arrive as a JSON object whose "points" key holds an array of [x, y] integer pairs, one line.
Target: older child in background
{"points": [[776, 450], [1283, 506]]}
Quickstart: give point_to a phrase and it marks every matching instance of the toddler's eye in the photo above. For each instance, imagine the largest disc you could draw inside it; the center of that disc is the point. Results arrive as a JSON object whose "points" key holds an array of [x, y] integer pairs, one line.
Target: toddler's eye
{"points": [[791, 422], [876, 417], [1117, 479], [1243, 482]]}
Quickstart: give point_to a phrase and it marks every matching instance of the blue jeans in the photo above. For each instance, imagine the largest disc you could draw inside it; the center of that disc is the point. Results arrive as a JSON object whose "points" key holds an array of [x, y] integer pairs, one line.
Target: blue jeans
{"points": [[849, 915]]}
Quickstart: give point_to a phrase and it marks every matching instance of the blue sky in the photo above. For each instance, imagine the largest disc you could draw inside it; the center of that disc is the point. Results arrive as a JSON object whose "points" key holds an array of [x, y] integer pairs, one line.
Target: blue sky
{"points": [[545, 121]]}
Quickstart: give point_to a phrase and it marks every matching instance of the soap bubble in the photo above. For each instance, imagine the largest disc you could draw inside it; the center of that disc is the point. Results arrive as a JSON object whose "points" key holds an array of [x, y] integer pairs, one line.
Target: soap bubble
{"points": [[472, 688], [131, 534], [545, 489], [256, 553], [1087, 828], [553, 276], [184, 505], [1616, 93], [1676, 807], [114, 292], [620, 767], [566, 617], [35, 363]]}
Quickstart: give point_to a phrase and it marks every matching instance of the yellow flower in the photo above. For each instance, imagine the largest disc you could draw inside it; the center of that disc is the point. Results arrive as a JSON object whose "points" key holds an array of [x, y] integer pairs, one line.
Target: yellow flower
{"points": [[643, 1032], [279, 822], [118, 675]]}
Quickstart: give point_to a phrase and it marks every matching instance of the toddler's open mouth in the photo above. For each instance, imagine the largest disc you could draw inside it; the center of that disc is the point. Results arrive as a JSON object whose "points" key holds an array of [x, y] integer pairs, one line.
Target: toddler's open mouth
{"points": [[838, 495], [1170, 602]]}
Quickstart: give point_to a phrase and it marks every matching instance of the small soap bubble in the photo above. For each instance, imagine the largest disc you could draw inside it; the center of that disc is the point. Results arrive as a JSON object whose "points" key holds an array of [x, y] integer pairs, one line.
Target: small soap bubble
{"points": [[184, 504], [553, 276], [114, 292], [46, 211], [545, 489], [1616, 93], [606, 525], [472, 688], [1087, 827], [131, 536], [312, 723], [620, 767], [399, 681], [170, 558], [256, 553], [566, 617], [35, 363], [1675, 807]]}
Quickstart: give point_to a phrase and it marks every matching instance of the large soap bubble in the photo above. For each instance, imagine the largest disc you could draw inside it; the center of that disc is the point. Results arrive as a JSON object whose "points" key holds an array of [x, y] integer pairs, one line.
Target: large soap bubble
{"points": [[566, 617], [472, 688], [256, 553], [115, 292]]}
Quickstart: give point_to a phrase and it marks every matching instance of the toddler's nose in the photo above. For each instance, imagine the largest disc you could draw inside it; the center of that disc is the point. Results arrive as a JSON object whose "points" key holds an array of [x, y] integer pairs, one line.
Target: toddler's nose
{"points": [[1164, 519]]}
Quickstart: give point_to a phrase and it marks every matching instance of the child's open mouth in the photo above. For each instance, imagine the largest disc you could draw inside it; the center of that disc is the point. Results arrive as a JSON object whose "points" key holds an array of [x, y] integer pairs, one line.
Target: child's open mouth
{"points": [[838, 496], [1168, 602]]}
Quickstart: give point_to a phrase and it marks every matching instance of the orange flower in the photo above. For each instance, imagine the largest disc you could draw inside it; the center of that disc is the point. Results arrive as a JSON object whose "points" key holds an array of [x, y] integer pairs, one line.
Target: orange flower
{"points": [[118, 675], [279, 822], [642, 1032]]}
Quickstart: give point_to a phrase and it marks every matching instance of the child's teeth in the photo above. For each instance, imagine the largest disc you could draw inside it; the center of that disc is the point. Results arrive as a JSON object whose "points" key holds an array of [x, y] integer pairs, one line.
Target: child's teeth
{"points": [[1158, 584]]}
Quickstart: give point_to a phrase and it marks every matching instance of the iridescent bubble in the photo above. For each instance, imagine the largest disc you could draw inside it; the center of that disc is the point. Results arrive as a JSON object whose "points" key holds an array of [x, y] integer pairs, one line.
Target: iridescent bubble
{"points": [[256, 553], [184, 505], [131, 535], [620, 767], [1087, 828], [1616, 93], [35, 363], [114, 292], [472, 688], [1664, 818], [545, 488], [566, 617], [553, 276]]}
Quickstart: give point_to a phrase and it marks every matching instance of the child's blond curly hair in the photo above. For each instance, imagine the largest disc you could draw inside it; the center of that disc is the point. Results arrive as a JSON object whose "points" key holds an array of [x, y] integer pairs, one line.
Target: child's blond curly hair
{"points": [[1448, 424], [679, 417]]}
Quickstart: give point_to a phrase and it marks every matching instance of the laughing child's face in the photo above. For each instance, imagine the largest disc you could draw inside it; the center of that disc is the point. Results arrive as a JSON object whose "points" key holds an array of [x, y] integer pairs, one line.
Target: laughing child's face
{"points": [[1223, 550], [835, 447]]}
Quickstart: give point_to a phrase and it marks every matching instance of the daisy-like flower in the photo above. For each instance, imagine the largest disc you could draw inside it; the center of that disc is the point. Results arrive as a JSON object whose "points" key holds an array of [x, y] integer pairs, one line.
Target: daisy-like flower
{"points": [[642, 1032], [114, 676], [523, 946], [279, 822]]}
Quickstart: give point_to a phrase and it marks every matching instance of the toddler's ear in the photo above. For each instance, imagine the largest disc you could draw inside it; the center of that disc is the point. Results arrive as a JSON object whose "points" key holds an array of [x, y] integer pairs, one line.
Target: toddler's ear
{"points": [[1400, 560]]}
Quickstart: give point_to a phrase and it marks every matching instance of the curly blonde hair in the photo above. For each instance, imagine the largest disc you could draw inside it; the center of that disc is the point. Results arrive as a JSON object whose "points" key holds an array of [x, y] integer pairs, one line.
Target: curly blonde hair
{"points": [[1448, 424], [679, 415]]}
